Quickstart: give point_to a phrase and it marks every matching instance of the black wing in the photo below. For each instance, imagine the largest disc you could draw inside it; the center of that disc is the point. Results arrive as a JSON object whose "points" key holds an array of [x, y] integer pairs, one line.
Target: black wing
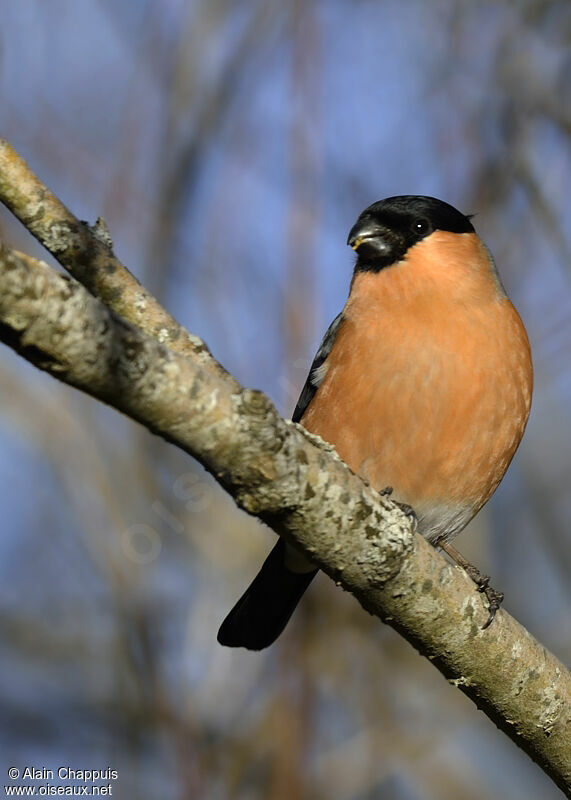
{"points": [[315, 377]]}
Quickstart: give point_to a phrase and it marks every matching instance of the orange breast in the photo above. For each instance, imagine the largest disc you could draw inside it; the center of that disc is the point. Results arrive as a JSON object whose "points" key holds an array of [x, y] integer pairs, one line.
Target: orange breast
{"points": [[428, 385]]}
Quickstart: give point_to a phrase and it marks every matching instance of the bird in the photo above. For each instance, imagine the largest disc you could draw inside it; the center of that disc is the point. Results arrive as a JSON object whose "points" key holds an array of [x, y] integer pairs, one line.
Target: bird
{"points": [[422, 383]]}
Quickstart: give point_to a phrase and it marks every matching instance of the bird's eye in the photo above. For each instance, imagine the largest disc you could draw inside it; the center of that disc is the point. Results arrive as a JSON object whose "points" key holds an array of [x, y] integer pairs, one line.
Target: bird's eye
{"points": [[420, 226]]}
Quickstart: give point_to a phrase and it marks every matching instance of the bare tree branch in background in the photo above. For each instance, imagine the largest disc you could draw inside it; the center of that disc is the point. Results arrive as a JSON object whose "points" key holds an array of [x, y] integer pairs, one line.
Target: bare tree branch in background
{"points": [[272, 468], [193, 120]]}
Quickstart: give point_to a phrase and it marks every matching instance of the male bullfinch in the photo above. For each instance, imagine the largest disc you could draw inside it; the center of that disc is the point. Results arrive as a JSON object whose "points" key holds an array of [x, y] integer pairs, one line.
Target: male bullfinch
{"points": [[422, 383]]}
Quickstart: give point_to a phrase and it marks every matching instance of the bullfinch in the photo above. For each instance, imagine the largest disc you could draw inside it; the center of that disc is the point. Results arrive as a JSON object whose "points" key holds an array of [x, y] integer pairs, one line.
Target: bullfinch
{"points": [[422, 383]]}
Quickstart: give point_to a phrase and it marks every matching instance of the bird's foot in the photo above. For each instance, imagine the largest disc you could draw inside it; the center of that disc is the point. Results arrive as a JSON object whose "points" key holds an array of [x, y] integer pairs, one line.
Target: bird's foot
{"points": [[493, 597], [408, 510], [410, 513], [482, 581]]}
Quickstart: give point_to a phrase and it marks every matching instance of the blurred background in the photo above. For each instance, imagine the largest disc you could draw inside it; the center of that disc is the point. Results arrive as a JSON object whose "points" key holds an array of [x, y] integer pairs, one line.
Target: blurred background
{"points": [[230, 146]]}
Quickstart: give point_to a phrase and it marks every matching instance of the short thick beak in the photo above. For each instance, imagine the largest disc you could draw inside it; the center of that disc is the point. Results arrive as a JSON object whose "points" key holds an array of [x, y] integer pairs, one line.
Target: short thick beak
{"points": [[369, 238]]}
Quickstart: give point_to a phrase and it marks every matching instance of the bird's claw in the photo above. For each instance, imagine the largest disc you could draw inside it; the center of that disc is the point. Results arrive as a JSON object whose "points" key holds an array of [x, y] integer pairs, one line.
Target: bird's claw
{"points": [[410, 513], [493, 597], [408, 510], [482, 582]]}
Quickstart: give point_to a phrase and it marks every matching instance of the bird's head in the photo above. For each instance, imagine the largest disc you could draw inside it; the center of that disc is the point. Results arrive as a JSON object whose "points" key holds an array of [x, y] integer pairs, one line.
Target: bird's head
{"points": [[386, 230]]}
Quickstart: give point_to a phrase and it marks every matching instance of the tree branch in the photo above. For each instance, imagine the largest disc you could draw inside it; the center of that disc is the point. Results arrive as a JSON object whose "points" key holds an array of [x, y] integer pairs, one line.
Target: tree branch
{"points": [[298, 485], [86, 253]]}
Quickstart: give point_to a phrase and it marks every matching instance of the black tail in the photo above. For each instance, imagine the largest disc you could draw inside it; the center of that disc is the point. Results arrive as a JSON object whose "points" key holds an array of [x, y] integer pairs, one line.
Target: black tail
{"points": [[262, 612]]}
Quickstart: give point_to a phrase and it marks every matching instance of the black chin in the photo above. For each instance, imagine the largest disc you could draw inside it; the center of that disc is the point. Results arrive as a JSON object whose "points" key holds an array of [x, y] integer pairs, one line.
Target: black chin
{"points": [[376, 253]]}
